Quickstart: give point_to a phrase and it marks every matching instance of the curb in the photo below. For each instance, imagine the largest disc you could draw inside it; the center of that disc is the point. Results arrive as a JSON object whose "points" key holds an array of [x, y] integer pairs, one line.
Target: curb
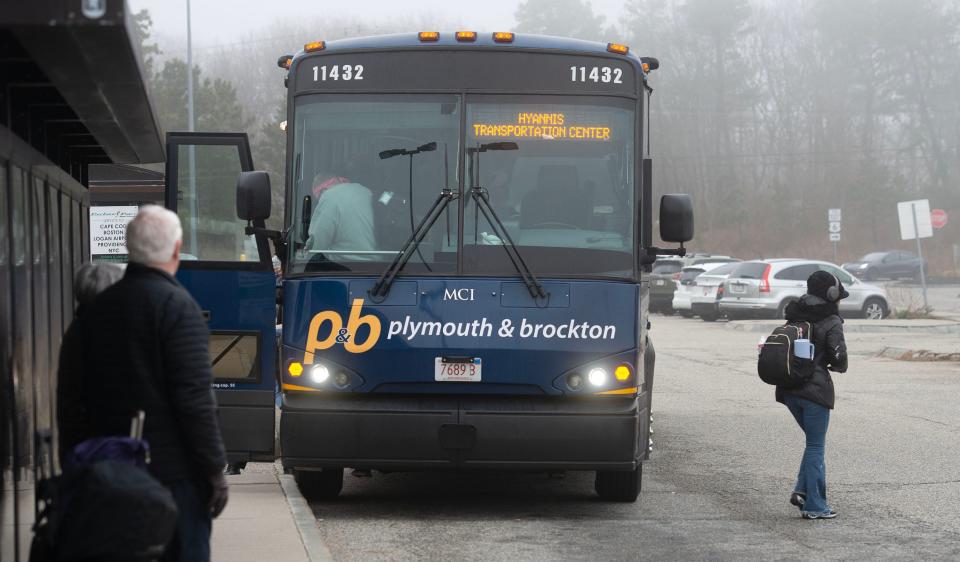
{"points": [[875, 327], [901, 354], [317, 550]]}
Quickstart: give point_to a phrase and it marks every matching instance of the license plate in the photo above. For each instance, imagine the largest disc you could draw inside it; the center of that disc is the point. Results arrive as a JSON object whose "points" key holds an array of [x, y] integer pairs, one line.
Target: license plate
{"points": [[660, 282], [738, 288], [458, 369]]}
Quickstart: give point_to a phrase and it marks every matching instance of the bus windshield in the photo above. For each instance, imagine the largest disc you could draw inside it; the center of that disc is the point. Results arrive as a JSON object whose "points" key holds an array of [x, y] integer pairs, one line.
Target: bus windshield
{"points": [[564, 190], [372, 165], [556, 170]]}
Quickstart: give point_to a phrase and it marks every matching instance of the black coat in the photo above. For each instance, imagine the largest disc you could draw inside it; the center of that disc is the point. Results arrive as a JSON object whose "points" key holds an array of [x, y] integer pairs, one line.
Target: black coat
{"points": [[143, 344], [830, 353]]}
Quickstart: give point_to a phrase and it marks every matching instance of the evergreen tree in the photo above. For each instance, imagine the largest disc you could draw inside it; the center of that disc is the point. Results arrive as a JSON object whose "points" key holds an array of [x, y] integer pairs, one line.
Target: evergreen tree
{"points": [[564, 18]]}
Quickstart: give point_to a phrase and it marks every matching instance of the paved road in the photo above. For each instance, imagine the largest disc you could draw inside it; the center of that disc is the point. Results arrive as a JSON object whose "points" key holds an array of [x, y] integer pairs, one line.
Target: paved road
{"points": [[717, 485]]}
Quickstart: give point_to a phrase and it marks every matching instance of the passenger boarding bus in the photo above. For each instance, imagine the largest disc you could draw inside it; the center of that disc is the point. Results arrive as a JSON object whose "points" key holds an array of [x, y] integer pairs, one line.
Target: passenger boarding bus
{"points": [[466, 241]]}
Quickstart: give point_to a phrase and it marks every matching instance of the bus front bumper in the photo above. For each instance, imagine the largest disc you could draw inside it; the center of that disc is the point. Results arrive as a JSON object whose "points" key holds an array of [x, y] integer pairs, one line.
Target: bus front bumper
{"points": [[484, 432]]}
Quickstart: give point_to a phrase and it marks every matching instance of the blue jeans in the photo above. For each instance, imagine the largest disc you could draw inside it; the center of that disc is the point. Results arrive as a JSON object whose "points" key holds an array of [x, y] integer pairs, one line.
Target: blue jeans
{"points": [[191, 541], [813, 419]]}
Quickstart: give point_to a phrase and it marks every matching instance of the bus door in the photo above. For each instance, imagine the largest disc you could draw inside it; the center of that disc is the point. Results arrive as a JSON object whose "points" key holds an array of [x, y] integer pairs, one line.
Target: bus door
{"points": [[231, 276]]}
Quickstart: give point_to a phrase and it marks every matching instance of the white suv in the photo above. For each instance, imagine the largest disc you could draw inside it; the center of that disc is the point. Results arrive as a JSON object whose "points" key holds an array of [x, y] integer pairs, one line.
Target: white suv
{"points": [[764, 288]]}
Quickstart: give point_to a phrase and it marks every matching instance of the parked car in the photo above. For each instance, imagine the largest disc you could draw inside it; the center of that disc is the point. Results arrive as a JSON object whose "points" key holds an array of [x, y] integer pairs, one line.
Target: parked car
{"points": [[894, 264], [662, 285], [687, 285], [703, 292], [764, 288]]}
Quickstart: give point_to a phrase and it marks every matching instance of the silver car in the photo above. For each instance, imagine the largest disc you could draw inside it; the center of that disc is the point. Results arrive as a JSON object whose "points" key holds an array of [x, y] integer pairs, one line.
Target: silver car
{"points": [[765, 288], [703, 292], [687, 285]]}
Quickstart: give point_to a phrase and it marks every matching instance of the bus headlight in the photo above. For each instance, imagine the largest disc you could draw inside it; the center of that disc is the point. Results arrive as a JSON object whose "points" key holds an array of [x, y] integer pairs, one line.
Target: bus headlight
{"points": [[597, 376], [319, 374]]}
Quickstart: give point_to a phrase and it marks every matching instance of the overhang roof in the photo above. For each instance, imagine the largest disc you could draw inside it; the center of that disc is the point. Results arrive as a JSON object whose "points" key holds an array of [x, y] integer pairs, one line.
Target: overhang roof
{"points": [[73, 84]]}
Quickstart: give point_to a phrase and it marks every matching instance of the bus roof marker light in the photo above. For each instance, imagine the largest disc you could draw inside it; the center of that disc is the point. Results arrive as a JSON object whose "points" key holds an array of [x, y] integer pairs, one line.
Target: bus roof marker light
{"points": [[314, 46], [503, 37], [618, 48], [429, 36], [466, 36]]}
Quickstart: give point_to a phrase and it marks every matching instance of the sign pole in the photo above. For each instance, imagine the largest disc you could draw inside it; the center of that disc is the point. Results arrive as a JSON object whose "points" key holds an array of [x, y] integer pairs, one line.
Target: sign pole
{"points": [[835, 252], [923, 274]]}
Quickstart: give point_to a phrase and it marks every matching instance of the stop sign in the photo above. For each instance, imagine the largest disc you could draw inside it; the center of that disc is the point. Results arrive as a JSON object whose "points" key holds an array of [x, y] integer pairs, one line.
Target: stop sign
{"points": [[938, 218]]}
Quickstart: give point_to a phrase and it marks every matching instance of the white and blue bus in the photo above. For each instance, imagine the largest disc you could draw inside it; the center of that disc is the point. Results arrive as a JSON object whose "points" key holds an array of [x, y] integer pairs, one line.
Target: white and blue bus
{"points": [[466, 244]]}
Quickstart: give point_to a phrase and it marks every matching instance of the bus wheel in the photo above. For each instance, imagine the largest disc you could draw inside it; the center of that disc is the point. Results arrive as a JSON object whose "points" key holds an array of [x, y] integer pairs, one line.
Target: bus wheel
{"points": [[619, 486], [318, 485]]}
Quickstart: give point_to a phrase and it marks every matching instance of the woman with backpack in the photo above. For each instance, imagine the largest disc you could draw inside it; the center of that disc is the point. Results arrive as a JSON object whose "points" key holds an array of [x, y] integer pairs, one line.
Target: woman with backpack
{"points": [[811, 402]]}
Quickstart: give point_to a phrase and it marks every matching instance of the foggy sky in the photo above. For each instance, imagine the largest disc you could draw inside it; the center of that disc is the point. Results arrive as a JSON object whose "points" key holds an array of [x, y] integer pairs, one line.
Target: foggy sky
{"points": [[222, 21]]}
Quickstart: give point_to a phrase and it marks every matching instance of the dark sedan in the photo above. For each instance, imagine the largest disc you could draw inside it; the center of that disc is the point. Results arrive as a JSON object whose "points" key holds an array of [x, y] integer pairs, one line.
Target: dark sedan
{"points": [[663, 285], [895, 264]]}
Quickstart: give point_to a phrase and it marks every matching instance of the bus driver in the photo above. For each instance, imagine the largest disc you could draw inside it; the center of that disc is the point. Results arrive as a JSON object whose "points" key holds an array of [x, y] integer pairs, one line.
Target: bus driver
{"points": [[342, 219]]}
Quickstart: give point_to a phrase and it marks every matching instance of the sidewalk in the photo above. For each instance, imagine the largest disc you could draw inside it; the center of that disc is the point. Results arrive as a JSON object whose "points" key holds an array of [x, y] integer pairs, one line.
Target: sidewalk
{"points": [[266, 519]]}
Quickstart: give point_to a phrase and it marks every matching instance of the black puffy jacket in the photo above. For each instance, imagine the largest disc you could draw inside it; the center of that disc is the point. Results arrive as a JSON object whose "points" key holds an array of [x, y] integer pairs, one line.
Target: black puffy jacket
{"points": [[830, 353], [143, 344]]}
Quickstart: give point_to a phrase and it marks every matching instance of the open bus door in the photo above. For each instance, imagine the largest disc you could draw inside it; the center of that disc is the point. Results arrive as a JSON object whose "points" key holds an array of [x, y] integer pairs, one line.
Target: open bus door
{"points": [[231, 276]]}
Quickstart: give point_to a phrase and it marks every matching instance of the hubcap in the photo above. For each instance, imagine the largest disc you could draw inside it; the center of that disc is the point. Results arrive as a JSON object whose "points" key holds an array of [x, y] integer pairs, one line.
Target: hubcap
{"points": [[874, 312]]}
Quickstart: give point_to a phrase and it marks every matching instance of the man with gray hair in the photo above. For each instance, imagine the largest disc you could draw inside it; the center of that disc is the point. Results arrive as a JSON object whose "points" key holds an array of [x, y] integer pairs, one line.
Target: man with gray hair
{"points": [[145, 346]]}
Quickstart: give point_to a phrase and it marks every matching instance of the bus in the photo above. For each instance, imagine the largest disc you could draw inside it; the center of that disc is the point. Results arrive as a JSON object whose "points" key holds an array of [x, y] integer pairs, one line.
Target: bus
{"points": [[466, 244]]}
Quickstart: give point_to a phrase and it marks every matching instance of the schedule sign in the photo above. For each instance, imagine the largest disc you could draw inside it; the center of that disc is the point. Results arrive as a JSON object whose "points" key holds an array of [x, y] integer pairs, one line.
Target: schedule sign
{"points": [[108, 227]]}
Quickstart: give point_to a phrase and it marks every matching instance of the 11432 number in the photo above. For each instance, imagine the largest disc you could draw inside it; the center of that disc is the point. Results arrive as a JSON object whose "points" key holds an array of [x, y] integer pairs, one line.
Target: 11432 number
{"points": [[338, 72], [596, 74]]}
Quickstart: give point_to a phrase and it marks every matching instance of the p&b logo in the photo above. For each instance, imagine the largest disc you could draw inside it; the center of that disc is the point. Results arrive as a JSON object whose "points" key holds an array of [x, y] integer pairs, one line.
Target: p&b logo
{"points": [[338, 334]]}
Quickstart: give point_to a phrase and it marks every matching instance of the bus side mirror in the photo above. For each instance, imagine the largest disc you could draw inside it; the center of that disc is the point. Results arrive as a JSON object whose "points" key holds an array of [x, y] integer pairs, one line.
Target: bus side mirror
{"points": [[676, 218], [253, 196]]}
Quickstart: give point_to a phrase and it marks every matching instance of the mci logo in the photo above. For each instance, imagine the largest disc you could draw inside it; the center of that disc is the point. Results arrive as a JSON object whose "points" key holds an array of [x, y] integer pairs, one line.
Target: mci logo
{"points": [[458, 294]]}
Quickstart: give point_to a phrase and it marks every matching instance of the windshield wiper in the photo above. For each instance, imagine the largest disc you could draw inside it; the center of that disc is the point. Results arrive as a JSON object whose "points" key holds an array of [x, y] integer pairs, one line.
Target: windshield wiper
{"points": [[483, 204], [417, 233]]}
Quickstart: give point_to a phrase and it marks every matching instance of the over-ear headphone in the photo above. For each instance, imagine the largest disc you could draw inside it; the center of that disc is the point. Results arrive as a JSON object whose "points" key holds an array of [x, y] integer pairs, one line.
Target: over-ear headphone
{"points": [[833, 293]]}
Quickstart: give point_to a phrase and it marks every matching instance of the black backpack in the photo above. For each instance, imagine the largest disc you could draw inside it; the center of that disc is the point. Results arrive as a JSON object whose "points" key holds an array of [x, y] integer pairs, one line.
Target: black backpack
{"points": [[777, 364]]}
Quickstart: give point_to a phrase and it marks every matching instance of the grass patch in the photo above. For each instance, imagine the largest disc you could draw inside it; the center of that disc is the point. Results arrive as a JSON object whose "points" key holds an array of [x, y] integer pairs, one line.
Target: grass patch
{"points": [[912, 312]]}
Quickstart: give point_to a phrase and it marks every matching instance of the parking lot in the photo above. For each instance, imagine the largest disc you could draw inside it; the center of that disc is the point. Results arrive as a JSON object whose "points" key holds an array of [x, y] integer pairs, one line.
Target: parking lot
{"points": [[716, 487], [944, 300]]}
